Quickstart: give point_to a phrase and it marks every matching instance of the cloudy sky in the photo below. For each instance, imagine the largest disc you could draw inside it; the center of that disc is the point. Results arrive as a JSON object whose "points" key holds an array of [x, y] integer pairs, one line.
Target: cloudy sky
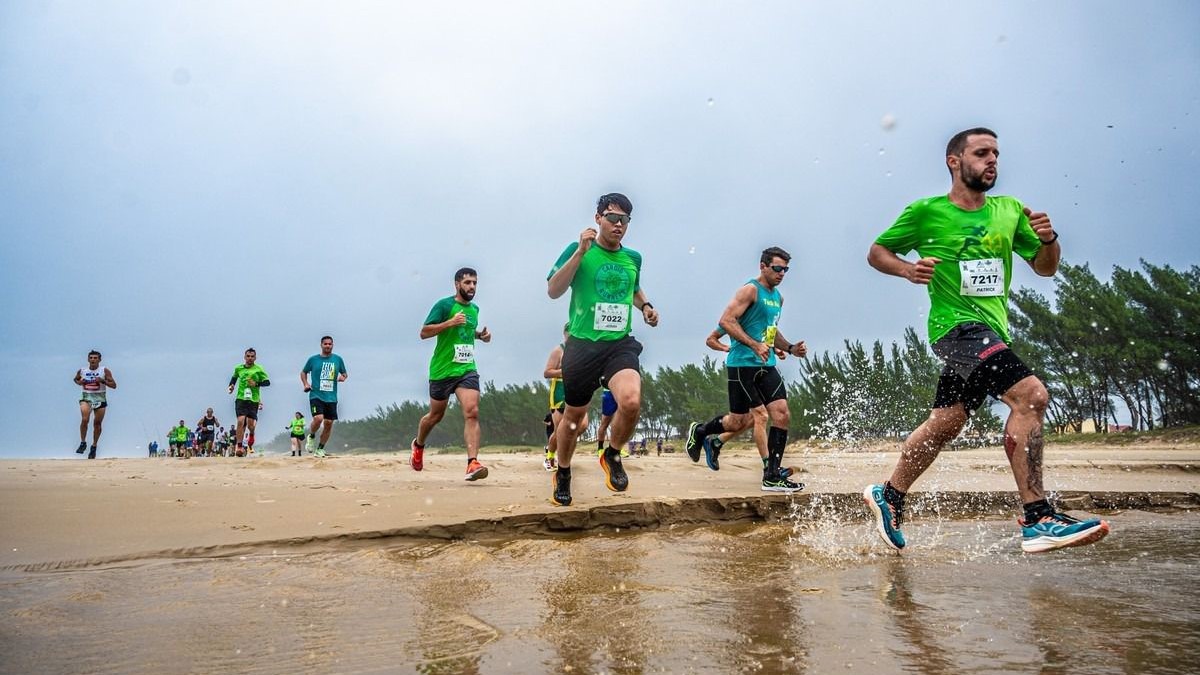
{"points": [[181, 180]]}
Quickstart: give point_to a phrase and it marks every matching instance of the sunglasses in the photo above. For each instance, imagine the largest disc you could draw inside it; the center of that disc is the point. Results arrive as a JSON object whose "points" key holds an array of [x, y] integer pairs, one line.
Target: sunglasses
{"points": [[779, 269], [615, 218]]}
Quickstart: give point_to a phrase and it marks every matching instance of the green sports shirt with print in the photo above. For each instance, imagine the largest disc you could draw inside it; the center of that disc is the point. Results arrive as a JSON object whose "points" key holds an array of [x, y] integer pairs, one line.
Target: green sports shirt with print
{"points": [[602, 291], [970, 284], [241, 373], [454, 353]]}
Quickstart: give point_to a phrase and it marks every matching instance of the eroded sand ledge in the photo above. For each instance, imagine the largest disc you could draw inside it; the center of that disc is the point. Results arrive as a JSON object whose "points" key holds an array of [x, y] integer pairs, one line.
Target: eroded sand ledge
{"points": [[64, 514]]}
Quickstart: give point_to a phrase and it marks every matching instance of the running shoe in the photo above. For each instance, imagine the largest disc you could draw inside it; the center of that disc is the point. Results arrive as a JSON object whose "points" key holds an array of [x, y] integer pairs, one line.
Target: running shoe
{"points": [[614, 473], [549, 464], [562, 488], [711, 453], [82, 447], [319, 452], [92, 453], [887, 518], [692, 445], [417, 461], [475, 470], [311, 444], [1060, 531], [781, 484]]}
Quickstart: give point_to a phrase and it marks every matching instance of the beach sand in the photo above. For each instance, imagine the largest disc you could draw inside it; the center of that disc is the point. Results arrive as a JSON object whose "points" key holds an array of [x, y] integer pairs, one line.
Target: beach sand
{"points": [[70, 513]]}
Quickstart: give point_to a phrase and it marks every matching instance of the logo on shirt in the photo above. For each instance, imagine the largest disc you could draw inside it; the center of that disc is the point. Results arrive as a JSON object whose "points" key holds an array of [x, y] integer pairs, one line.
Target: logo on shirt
{"points": [[613, 282]]}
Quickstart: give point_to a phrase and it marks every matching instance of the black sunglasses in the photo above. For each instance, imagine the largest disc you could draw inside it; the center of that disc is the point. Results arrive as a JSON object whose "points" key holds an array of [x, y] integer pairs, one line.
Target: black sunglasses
{"points": [[779, 269], [615, 218]]}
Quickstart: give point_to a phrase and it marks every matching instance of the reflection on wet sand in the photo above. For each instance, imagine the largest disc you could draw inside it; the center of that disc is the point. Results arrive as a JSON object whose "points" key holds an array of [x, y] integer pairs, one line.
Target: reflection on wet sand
{"points": [[756, 597]]}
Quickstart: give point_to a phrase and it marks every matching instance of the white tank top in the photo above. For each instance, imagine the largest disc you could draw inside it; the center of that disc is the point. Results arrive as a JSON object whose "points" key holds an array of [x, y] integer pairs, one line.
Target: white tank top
{"points": [[93, 380]]}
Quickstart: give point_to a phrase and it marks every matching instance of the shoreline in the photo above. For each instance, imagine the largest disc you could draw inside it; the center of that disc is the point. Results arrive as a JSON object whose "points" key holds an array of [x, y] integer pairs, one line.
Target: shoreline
{"points": [[63, 514]]}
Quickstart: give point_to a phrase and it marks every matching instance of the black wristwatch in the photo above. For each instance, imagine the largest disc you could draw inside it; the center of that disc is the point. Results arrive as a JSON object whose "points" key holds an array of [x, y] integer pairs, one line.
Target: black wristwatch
{"points": [[1047, 243], [645, 305]]}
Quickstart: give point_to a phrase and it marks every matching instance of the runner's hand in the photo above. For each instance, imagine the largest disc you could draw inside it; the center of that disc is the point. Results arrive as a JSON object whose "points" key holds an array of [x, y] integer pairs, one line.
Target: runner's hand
{"points": [[586, 239], [921, 272], [761, 350], [457, 320], [779, 353], [650, 315], [800, 349], [485, 335], [1040, 223]]}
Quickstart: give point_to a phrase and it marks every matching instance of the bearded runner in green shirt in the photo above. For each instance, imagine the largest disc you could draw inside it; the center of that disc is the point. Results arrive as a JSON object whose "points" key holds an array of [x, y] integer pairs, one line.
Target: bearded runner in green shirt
{"points": [[966, 241], [248, 378], [605, 282], [455, 322]]}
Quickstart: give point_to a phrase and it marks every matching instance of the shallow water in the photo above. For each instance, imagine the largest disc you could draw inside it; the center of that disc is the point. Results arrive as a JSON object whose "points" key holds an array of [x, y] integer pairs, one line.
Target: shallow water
{"points": [[814, 596]]}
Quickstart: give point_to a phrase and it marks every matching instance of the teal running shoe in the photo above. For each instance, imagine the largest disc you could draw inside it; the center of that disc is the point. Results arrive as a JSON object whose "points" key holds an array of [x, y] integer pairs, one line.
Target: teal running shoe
{"points": [[711, 453], [1060, 531], [887, 519]]}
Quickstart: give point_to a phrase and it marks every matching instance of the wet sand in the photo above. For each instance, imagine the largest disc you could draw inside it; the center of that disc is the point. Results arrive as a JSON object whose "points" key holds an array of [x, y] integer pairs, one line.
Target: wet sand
{"points": [[62, 514]]}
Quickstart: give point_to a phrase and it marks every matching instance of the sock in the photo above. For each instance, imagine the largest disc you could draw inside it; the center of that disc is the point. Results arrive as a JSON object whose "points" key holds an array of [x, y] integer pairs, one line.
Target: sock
{"points": [[321, 446], [893, 496], [312, 435], [420, 446], [564, 471], [713, 426], [717, 444], [776, 442], [600, 445], [610, 451], [1035, 511]]}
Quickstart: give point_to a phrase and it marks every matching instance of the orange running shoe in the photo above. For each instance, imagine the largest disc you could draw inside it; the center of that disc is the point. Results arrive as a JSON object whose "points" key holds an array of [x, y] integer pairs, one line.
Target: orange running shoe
{"points": [[475, 470], [418, 456]]}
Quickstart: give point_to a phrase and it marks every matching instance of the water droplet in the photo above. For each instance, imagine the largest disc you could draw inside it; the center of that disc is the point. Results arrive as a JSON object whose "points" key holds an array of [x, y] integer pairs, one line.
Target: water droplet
{"points": [[882, 152], [429, 501], [816, 160], [1094, 324], [1162, 365], [711, 103], [574, 426], [888, 122], [691, 249]]}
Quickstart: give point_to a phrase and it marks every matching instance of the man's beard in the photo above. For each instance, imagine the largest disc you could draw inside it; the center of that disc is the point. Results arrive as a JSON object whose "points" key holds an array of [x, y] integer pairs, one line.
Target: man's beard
{"points": [[978, 183], [466, 294]]}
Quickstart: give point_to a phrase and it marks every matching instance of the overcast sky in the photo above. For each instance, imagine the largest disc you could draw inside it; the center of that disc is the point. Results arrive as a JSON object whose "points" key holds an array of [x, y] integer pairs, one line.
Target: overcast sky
{"points": [[181, 180]]}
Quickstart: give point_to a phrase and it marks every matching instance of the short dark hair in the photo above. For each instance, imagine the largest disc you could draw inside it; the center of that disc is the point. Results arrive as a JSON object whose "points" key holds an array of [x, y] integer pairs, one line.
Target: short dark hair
{"points": [[94, 352], [958, 142], [464, 272], [250, 350], [614, 199], [326, 337], [774, 252]]}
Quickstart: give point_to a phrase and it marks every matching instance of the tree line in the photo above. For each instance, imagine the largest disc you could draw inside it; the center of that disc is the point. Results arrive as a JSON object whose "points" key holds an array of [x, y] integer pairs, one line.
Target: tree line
{"points": [[1129, 346]]}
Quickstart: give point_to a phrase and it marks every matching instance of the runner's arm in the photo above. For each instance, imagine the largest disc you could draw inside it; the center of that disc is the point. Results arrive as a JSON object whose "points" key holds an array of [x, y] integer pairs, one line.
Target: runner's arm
{"points": [[560, 281], [713, 342], [781, 343], [1045, 262], [553, 364], [734, 310], [304, 380], [108, 379], [649, 314], [431, 329], [888, 262], [79, 376]]}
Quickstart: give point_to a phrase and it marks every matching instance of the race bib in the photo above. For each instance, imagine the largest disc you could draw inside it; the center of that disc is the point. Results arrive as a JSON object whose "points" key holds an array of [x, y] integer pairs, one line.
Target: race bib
{"points": [[91, 385], [464, 353], [982, 278], [611, 316], [249, 394], [326, 385]]}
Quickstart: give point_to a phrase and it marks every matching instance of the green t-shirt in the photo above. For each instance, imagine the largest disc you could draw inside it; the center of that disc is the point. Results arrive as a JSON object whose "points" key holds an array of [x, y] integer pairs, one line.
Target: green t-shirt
{"points": [[970, 284], [324, 373], [298, 426], [179, 434], [241, 373], [602, 291], [454, 354]]}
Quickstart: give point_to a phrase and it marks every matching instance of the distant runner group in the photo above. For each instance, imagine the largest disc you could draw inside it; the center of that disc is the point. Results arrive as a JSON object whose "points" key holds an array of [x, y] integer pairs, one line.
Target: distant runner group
{"points": [[965, 241]]}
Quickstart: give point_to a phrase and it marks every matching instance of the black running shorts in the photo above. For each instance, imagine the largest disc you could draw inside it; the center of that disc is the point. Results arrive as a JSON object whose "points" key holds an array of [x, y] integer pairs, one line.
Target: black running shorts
{"points": [[587, 365], [752, 386]]}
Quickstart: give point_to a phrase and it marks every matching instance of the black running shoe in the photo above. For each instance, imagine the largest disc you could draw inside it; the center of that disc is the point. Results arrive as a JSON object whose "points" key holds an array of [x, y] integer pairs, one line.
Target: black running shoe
{"points": [[562, 487], [692, 445], [82, 447], [92, 454], [614, 474], [711, 453]]}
